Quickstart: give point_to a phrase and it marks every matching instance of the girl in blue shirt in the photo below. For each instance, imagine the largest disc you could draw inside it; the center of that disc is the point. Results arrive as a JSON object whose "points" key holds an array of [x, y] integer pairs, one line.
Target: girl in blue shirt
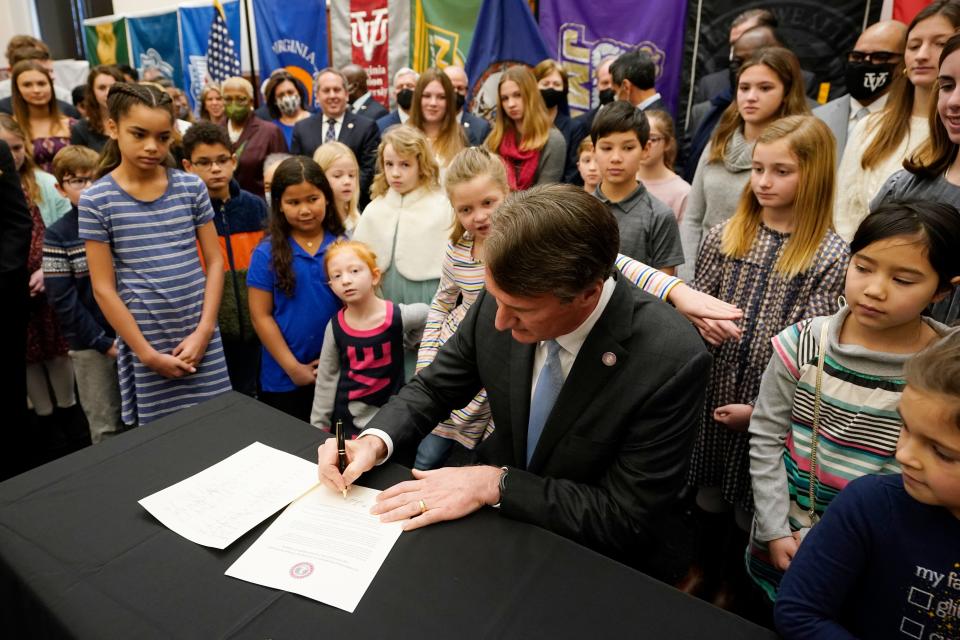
{"points": [[290, 300]]}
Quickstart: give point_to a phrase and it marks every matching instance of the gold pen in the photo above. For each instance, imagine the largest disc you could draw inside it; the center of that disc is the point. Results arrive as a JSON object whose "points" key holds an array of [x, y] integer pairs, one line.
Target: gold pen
{"points": [[341, 453]]}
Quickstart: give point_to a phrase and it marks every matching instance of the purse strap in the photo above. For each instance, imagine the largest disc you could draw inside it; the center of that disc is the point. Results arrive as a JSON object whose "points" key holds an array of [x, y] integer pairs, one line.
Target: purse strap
{"points": [[815, 436]]}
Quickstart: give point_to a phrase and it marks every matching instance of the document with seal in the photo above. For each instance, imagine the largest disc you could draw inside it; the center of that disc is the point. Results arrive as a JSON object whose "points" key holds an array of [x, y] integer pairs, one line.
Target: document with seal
{"points": [[323, 546], [223, 502]]}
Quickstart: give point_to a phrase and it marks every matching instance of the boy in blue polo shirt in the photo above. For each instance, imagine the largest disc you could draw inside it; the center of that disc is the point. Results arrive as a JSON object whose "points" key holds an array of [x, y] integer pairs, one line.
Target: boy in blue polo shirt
{"points": [[240, 218]]}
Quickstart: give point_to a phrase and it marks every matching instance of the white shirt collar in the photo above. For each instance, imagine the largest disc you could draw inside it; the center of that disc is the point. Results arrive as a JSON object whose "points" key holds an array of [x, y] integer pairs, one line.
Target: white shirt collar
{"points": [[404, 116], [649, 101], [337, 119], [359, 102], [573, 341], [873, 107]]}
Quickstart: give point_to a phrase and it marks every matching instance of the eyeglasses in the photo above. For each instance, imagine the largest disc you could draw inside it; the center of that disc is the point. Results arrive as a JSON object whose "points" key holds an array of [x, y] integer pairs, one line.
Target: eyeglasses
{"points": [[236, 100], [875, 57], [207, 163], [656, 139], [78, 183]]}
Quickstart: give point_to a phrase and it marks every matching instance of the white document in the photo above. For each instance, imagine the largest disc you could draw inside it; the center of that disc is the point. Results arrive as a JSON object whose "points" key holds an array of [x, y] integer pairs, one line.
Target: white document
{"points": [[322, 546], [223, 502]]}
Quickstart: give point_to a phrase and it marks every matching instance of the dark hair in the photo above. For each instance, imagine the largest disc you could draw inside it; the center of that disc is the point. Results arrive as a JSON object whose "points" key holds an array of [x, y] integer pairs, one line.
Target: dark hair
{"points": [[21, 111], [127, 70], [551, 239], [270, 91], [290, 172], [619, 117], [936, 153], [936, 369], [77, 94], [637, 67], [204, 132], [764, 18], [936, 224], [122, 97], [90, 104]]}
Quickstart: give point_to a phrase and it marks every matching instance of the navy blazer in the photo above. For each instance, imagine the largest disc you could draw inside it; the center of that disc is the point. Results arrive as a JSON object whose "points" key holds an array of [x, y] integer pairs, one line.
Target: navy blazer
{"points": [[476, 128], [612, 458], [357, 132], [388, 120], [371, 109], [66, 109]]}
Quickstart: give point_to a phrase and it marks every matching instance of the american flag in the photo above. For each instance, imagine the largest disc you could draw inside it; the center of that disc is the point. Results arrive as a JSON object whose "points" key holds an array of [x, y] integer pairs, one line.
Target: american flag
{"points": [[222, 59]]}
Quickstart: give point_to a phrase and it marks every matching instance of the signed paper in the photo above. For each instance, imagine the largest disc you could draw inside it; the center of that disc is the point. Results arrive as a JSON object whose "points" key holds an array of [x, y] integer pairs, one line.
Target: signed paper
{"points": [[322, 546], [222, 502]]}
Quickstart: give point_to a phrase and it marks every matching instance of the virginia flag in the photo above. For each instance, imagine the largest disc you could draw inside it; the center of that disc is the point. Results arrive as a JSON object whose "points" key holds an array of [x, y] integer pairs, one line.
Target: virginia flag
{"points": [[196, 24], [106, 40], [292, 36], [506, 34]]}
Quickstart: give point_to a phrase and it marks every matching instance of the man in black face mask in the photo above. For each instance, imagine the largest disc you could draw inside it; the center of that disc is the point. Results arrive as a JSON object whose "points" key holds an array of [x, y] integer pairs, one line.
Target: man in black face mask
{"points": [[404, 82], [476, 128], [870, 69]]}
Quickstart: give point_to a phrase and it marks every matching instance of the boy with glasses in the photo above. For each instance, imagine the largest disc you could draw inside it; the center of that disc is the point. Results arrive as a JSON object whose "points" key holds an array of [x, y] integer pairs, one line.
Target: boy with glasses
{"points": [[240, 218], [92, 340]]}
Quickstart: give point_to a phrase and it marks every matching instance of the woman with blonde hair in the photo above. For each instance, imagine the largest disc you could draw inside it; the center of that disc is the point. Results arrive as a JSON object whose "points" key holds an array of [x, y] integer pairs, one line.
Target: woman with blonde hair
{"points": [[434, 111], [532, 149], [340, 167], [880, 142], [769, 86], [211, 104]]}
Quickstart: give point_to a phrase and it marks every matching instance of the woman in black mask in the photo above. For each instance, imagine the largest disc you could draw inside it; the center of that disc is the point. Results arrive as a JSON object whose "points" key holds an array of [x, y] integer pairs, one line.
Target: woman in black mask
{"points": [[554, 85]]}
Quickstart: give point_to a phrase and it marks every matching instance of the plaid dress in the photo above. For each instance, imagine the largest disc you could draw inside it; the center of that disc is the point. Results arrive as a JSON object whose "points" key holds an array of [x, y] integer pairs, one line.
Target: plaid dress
{"points": [[770, 303]]}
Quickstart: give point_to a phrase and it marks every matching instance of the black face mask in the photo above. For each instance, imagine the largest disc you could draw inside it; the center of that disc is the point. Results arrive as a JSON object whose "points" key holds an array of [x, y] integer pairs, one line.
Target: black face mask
{"points": [[734, 75], [866, 81], [461, 100], [552, 97], [405, 98], [607, 96]]}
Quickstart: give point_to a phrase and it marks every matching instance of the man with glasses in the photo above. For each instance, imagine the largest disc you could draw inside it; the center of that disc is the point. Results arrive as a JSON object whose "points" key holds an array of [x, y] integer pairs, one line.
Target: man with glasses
{"points": [[870, 71]]}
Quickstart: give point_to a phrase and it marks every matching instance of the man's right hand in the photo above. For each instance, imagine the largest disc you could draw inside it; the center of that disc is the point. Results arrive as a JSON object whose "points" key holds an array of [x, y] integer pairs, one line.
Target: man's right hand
{"points": [[362, 454]]}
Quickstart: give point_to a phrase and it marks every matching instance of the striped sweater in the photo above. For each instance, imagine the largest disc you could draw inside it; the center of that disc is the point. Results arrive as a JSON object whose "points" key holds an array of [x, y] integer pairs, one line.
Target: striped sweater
{"points": [[859, 427]]}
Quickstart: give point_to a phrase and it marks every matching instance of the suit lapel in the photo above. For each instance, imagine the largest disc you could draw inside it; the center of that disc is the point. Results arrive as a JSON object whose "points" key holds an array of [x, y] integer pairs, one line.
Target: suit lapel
{"points": [[346, 129], [521, 385], [591, 372]]}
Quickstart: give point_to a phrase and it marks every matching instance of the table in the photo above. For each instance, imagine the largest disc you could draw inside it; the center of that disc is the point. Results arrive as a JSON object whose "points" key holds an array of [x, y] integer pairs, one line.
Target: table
{"points": [[79, 558]]}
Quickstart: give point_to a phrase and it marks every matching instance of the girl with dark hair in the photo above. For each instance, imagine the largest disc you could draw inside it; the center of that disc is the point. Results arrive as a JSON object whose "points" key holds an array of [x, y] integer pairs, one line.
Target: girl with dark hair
{"points": [[904, 256], [142, 223], [285, 97], [290, 297], [769, 86], [880, 142], [35, 109], [91, 131]]}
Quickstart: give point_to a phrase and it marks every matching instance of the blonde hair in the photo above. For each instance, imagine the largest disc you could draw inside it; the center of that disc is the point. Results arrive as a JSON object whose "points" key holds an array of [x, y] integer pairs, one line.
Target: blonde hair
{"points": [[328, 153], [471, 163], [206, 91], [72, 160], [451, 139], [535, 126], [586, 146], [814, 147], [236, 82], [412, 143]]}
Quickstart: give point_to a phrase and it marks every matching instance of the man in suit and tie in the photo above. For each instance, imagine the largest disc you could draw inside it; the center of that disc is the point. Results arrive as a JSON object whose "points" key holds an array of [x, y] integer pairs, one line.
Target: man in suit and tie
{"points": [[404, 84], [476, 128], [336, 122], [634, 75], [870, 69], [361, 99], [595, 389]]}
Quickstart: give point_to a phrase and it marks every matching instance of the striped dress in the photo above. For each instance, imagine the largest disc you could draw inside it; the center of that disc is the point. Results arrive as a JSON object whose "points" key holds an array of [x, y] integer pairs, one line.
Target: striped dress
{"points": [[159, 279], [461, 279], [859, 427]]}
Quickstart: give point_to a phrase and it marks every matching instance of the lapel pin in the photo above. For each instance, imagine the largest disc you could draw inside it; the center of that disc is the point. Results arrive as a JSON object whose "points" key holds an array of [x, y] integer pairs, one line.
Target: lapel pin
{"points": [[466, 125], [349, 125], [609, 359]]}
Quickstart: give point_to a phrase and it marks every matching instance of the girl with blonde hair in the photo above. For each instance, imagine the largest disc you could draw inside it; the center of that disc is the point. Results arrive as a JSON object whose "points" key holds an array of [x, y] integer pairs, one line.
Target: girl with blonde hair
{"points": [[434, 111], [343, 173], [532, 149]]}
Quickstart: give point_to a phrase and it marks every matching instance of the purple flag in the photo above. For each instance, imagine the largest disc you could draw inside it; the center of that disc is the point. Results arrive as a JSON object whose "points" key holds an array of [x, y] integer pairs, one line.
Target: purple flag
{"points": [[582, 33]]}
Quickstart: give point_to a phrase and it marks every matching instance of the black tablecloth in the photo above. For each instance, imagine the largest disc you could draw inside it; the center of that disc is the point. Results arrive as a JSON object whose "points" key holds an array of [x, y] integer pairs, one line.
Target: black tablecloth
{"points": [[80, 558]]}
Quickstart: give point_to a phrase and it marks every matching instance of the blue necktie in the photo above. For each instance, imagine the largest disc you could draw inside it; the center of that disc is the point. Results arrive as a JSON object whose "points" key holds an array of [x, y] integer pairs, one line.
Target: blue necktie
{"points": [[544, 396], [331, 131]]}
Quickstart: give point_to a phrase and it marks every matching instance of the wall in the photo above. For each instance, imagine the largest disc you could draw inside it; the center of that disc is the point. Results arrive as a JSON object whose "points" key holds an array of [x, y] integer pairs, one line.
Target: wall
{"points": [[15, 18]]}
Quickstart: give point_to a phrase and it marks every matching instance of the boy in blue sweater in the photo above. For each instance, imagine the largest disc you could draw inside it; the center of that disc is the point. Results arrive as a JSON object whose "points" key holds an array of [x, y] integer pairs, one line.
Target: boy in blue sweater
{"points": [[92, 340], [885, 560], [240, 218]]}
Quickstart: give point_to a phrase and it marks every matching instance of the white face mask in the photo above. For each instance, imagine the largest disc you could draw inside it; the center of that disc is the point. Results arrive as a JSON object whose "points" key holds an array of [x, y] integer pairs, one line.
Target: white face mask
{"points": [[289, 104], [266, 196]]}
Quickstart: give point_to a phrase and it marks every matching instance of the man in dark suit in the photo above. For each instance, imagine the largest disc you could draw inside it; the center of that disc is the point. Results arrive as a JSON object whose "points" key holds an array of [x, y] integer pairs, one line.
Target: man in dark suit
{"points": [[634, 76], [404, 84], [595, 388], [476, 128], [15, 231], [361, 99], [335, 122]]}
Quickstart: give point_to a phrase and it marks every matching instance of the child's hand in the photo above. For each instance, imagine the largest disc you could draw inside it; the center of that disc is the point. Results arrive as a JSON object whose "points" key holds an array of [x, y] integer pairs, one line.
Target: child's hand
{"points": [[192, 348], [169, 366], [304, 374], [36, 282], [782, 551], [735, 417]]}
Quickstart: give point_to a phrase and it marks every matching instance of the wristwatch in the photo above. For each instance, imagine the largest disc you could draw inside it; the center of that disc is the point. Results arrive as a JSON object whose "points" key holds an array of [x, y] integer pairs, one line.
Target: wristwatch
{"points": [[502, 483]]}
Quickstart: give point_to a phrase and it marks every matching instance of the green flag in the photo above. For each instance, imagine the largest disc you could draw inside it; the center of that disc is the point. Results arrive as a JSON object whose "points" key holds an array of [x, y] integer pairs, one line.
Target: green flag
{"points": [[106, 40], [442, 31]]}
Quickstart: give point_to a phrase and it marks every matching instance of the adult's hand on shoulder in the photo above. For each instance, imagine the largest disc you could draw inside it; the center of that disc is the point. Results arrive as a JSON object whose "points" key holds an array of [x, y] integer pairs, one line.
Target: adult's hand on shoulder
{"points": [[362, 454], [442, 494]]}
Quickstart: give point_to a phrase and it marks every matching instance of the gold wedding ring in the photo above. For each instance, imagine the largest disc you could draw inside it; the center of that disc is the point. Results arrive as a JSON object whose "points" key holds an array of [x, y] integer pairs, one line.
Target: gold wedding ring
{"points": [[423, 506]]}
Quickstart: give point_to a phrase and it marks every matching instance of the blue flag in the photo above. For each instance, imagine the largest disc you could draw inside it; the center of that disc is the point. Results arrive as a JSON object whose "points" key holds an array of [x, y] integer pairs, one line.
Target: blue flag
{"points": [[155, 47], [195, 31], [292, 36], [506, 34]]}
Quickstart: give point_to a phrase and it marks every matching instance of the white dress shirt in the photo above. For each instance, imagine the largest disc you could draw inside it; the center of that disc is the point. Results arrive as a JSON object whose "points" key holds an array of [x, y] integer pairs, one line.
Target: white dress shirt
{"points": [[336, 126], [855, 108], [649, 101], [359, 102]]}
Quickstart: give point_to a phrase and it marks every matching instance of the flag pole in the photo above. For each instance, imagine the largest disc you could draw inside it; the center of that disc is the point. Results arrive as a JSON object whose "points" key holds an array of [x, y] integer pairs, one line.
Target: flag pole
{"points": [[253, 69]]}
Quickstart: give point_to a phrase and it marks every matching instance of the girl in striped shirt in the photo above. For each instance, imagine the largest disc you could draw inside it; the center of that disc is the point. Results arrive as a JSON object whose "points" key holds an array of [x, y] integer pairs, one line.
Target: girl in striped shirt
{"points": [[142, 223], [476, 184], [903, 258]]}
